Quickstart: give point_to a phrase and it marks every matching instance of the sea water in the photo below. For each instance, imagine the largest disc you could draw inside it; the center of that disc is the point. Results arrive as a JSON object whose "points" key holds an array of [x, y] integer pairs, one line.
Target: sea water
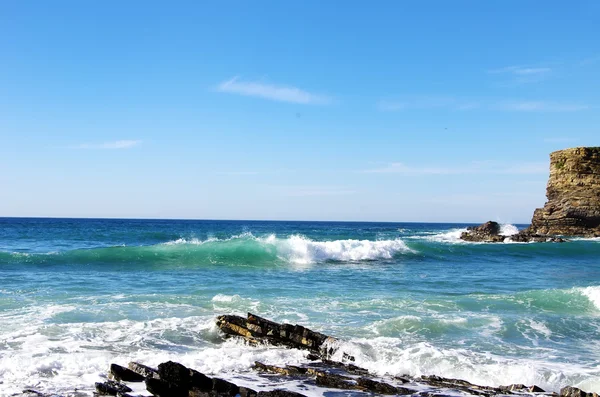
{"points": [[403, 298]]}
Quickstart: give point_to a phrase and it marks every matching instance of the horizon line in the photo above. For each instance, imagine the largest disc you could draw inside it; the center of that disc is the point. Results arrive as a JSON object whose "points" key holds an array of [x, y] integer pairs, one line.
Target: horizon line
{"points": [[242, 220]]}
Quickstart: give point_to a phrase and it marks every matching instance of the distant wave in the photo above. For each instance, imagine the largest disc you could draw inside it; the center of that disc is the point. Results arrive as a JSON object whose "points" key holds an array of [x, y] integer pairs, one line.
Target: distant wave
{"points": [[244, 249]]}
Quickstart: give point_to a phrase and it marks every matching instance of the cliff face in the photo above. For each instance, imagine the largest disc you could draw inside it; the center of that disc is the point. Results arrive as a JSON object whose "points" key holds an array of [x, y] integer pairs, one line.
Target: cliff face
{"points": [[573, 192]]}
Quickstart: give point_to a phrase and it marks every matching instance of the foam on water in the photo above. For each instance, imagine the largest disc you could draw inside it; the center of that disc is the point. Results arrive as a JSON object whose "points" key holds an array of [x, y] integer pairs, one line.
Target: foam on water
{"points": [[592, 293], [299, 249]]}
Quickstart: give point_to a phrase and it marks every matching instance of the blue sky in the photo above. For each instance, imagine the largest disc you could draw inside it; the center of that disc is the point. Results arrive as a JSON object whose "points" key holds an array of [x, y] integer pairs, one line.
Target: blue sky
{"points": [[311, 110]]}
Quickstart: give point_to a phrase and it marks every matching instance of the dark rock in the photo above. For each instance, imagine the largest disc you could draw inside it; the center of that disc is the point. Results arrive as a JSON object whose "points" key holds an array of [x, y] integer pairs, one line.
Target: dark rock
{"points": [[255, 328], [111, 388], [571, 391], [279, 393], [488, 232], [535, 389], [247, 392], [174, 372], [123, 374], [335, 381], [223, 387], [289, 370], [377, 387], [145, 371], [162, 388], [29, 392], [200, 381]]}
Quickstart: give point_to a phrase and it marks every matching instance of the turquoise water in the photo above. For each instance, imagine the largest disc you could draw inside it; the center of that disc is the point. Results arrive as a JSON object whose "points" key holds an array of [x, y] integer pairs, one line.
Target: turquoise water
{"points": [[406, 298]]}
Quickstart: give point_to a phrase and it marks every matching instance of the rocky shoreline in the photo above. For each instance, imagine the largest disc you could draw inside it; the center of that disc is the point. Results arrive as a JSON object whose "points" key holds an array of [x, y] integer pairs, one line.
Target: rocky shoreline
{"points": [[172, 379]]}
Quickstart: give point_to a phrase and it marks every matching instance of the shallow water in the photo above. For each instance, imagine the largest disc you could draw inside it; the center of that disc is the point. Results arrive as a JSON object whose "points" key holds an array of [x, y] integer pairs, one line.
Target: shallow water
{"points": [[407, 298]]}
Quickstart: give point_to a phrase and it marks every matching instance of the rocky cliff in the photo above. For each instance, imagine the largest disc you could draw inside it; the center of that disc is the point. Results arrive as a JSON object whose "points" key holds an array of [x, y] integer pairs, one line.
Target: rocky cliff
{"points": [[573, 192]]}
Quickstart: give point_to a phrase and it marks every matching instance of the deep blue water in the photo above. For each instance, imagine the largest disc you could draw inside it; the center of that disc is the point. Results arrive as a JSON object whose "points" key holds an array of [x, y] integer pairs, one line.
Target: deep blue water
{"points": [[77, 294]]}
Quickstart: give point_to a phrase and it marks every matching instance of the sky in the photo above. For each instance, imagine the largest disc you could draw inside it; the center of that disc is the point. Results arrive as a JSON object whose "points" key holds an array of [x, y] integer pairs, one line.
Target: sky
{"points": [[415, 111]]}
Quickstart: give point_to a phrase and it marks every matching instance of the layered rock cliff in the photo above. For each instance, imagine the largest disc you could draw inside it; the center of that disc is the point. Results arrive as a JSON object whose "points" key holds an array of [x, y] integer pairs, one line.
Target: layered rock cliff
{"points": [[573, 192]]}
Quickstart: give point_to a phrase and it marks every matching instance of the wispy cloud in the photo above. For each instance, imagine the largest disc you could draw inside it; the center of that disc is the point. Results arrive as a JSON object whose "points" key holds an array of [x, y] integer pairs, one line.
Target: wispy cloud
{"points": [[472, 168], [424, 103], [122, 144], [310, 190], [523, 74], [273, 92], [237, 173], [432, 103], [541, 106], [522, 70]]}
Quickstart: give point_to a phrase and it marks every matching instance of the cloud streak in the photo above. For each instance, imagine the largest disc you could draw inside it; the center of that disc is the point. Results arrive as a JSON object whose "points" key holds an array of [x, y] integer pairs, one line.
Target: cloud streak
{"points": [[522, 71], [473, 168], [456, 104], [121, 144], [523, 74], [272, 92]]}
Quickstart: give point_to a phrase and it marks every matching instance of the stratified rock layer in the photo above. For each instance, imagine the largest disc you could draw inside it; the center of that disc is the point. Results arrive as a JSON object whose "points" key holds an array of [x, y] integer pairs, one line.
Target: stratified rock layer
{"points": [[573, 192]]}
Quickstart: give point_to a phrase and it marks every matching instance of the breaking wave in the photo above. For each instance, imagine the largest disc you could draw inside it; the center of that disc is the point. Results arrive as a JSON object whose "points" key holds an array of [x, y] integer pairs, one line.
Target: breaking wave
{"points": [[244, 249]]}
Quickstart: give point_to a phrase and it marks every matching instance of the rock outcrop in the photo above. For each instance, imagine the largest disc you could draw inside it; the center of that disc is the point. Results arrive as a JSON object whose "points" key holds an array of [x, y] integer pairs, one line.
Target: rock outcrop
{"points": [[573, 192], [256, 329], [488, 232]]}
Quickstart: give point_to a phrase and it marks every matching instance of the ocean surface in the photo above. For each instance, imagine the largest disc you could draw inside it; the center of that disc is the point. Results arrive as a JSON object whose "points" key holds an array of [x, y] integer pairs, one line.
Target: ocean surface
{"points": [[405, 298]]}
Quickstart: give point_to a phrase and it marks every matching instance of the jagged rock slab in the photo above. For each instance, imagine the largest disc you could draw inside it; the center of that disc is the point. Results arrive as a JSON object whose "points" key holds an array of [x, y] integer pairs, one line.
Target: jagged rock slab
{"points": [[255, 329]]}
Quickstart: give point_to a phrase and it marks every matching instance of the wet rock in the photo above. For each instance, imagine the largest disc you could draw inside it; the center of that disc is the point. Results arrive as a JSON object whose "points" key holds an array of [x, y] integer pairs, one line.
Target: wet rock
{"points": [[111, 388], [488, 232], [123, 374], [224, 388], [254, 328], [535, 389], [145, 371], [571, 391], [335, 381], [279, 393], [162, 388], [35, 393], [288, 370], [376, 387], [247, 392]]}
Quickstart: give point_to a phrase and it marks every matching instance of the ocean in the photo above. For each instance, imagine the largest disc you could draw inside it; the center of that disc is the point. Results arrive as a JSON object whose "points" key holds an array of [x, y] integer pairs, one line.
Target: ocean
{"points": [[404, 298]]}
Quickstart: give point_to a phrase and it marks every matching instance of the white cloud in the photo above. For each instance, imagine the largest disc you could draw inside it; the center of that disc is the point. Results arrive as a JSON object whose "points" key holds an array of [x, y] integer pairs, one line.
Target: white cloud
{"points": [[273, 92], [122, 144], [466, 105], [472, 168], [541, 106], [522, 70], [426, 103], [523, 74]]}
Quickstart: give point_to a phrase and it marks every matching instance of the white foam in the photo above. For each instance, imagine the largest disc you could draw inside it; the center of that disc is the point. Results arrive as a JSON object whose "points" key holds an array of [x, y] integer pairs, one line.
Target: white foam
{"points": [[592, 293], [299, 249], [302, 250], [451, 236], [506, 229]]}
